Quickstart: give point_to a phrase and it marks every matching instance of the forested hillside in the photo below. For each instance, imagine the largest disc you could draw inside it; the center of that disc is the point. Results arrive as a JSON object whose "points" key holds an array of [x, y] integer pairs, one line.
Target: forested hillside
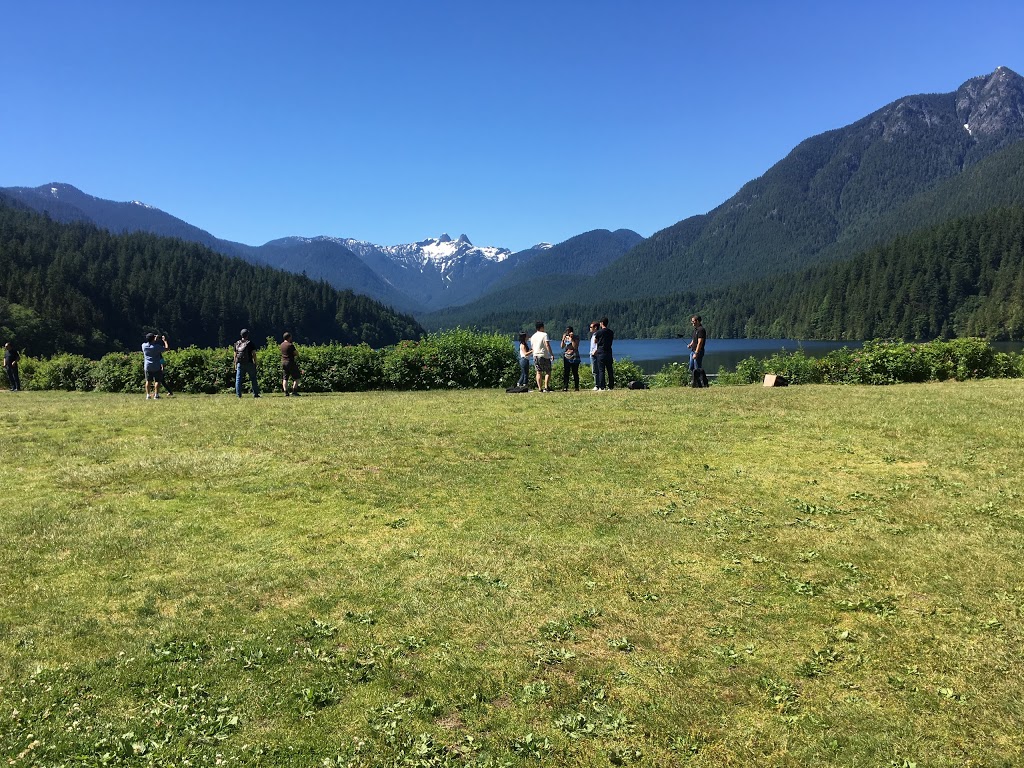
{"points": [[77, 288], [964, 277], [814, 204]]}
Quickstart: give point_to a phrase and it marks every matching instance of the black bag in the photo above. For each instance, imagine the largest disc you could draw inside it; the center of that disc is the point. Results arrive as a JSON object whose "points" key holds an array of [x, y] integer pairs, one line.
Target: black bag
{"points": [[637, 385], [245, 351], [517, 390]]}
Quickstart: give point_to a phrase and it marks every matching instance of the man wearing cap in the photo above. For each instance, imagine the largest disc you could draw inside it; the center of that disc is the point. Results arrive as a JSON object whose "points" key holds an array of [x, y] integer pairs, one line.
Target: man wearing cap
{"points": [[152, 367], [245, 364]]}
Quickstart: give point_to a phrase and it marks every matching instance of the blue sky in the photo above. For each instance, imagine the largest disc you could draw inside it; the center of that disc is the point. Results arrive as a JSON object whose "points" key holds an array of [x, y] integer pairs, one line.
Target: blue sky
{"points": [[513, 123]]}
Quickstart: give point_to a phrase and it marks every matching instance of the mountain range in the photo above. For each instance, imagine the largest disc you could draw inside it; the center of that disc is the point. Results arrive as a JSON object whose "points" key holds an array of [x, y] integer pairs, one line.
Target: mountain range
{"points": [[416, 277], [913, 164]]}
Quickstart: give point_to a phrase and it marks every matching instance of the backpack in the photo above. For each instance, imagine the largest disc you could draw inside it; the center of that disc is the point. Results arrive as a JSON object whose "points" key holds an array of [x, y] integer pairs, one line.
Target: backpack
{"points": [[517, 390], [637, 385], [244, 352]]}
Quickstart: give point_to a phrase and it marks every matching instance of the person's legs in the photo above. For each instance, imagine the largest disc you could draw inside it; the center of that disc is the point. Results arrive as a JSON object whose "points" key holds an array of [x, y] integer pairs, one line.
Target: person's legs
{"points": [[238, 379], [575, 376], [252, 379], [524, 371], [566, 366], [598, 372], [610, 375]]}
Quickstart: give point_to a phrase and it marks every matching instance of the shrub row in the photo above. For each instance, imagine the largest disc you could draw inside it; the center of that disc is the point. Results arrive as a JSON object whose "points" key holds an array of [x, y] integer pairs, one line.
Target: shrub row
{"points": [[457, 359], [884, 362]]}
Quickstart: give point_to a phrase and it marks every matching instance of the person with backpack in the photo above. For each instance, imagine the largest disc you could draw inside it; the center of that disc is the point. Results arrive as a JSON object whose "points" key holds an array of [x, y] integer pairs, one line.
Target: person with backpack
{"points": [[245, 364]]}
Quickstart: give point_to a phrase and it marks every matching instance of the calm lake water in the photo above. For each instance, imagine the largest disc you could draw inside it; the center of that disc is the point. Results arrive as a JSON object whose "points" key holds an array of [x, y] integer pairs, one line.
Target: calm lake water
{"points": [[654, 354]]}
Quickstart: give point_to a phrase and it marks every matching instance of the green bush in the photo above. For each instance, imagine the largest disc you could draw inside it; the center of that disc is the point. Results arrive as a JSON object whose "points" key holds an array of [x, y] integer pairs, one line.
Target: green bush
{"points": [[199, 371], [119, 372], [672, 375], [458, 359], [66, 372], [796, 367], [334, 368]]}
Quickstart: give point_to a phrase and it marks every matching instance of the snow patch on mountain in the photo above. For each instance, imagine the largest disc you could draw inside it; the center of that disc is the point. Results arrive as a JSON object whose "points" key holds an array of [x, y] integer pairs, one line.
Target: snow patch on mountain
{"points": [[441, 253]]}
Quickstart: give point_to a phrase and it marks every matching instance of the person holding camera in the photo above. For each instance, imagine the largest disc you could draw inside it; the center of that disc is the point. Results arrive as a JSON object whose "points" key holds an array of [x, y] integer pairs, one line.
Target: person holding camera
{"points": [[152, 363]]}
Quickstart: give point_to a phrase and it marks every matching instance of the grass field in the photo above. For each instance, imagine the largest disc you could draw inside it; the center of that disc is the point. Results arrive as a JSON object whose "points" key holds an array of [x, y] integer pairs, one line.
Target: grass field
{"points": [[811, 576]]}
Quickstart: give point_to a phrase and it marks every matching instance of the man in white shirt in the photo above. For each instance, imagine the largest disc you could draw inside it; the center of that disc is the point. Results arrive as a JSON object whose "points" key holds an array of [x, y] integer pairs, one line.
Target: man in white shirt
{"points": [[542, 357]]}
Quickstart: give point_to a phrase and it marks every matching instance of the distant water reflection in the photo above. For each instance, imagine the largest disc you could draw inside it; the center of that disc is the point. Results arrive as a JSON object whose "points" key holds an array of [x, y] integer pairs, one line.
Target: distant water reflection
{"points": [[654, 354]]}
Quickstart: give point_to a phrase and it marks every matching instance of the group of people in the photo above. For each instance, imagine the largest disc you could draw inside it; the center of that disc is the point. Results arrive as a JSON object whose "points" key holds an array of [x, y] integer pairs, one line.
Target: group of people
{"points": [[244, 361], [538, 349]]}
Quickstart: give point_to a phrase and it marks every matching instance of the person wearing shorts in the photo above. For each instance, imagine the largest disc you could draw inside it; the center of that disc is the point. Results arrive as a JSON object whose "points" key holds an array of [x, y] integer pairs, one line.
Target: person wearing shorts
{"points": [[152, 363], [542, 356], [289, 366]]}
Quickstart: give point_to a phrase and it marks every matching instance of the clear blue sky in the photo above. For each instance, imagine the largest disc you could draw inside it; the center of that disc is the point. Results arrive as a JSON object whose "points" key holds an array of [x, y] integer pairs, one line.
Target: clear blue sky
{"points": [[514, 123]]}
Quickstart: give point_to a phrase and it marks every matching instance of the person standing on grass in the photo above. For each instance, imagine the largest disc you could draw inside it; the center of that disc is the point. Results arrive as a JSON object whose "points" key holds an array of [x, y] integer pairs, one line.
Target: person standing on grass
{"points": [[245, 364], [11, 358], [593, 356], [525, 353], [696, 346], [542, 357], [290, 366], [570, 359], [604, 337], [152, 363]]}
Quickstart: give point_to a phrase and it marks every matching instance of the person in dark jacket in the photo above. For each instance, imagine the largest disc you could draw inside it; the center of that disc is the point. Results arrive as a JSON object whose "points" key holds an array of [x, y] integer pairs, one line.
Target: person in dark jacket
{"points": [[245, 364], [11, 358]]}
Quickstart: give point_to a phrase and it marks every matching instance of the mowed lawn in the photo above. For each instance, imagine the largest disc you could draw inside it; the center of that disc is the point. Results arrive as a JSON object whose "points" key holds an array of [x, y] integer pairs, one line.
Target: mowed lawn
{"points": [[811, 576]]}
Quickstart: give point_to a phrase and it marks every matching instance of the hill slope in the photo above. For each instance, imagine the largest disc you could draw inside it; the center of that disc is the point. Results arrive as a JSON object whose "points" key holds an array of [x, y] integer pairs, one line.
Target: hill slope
{"points": [[75, 287], [827, 190]]}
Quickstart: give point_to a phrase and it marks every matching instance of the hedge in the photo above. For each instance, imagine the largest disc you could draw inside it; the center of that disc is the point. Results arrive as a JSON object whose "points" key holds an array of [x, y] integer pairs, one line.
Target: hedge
{"points": [[884, 362]]}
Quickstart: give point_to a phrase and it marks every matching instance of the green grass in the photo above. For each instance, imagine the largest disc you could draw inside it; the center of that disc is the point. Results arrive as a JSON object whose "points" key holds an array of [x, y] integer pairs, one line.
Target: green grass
{"points": [[816, 575]]}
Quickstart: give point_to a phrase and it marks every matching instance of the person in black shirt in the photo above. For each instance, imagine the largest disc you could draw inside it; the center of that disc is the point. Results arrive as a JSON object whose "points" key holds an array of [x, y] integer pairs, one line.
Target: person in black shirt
{"points": [[11, 358], [245, 364], [696, 347], [605, 362]]}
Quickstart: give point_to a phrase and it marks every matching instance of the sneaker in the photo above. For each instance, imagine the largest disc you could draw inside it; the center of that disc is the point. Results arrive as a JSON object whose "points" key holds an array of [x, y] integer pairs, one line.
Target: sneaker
{"points": [[287, 394], [596, 389], [156, 397], [255, 396], [149, 397]]}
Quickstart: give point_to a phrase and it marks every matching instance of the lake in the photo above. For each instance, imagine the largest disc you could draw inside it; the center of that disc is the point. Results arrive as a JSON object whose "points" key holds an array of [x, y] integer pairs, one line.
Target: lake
{"points": [[654, 354]]}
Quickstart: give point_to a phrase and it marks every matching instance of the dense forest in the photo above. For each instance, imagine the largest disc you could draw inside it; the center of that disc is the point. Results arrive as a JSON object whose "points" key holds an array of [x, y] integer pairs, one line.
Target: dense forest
{"points": [[77, 288], [964, 277]]}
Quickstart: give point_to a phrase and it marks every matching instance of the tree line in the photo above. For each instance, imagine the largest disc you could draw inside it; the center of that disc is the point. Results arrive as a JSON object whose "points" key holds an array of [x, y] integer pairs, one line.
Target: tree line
{"points": [[77, 288]]}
